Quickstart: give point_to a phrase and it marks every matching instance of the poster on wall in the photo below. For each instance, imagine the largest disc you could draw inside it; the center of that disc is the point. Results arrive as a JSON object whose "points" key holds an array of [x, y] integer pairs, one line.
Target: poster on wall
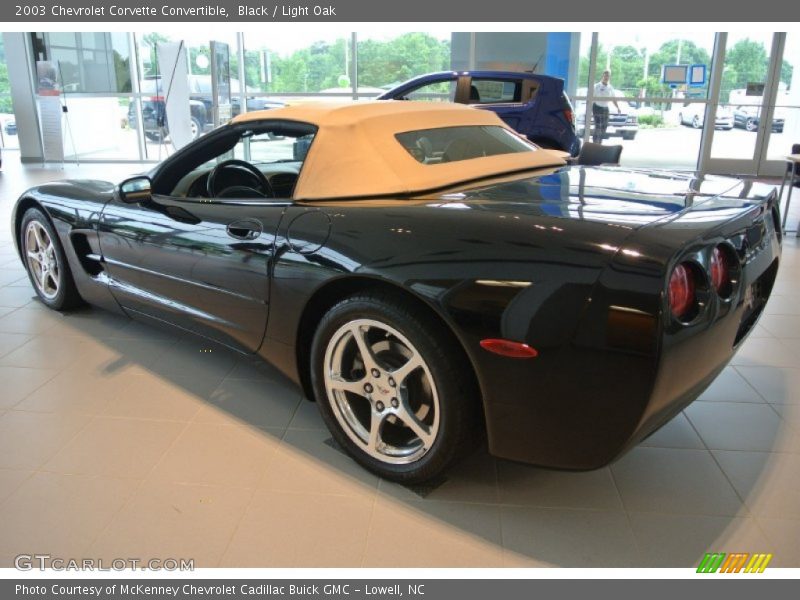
{"points": [[175, 89], [221, 82], [50, 110]]}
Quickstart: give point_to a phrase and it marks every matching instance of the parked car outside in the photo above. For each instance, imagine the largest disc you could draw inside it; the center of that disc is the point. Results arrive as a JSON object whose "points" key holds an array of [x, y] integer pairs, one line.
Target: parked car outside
{"points": [[201, 107], [694, 115], [748, 117], [534, 105]]}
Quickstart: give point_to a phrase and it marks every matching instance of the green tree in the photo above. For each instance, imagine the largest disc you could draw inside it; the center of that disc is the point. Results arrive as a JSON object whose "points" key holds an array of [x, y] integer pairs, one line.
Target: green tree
{"points": [[325, 65], [5, 85], [653, 88], [150, 63], [627, 67], [122, 72], [786, 72], [194, 52], [382, 64], [677, 52], [5, 90], [626, 64], [750, 60]]}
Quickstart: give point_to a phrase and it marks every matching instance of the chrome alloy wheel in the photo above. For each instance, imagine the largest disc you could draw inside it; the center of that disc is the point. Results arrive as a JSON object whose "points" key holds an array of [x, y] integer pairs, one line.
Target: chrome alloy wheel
{"points": [[381, 391], [42, 260]]}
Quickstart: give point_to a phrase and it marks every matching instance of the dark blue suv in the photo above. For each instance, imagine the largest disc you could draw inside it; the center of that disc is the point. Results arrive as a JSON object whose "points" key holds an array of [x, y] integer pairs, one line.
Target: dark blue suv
{"points": [[534, 105]]}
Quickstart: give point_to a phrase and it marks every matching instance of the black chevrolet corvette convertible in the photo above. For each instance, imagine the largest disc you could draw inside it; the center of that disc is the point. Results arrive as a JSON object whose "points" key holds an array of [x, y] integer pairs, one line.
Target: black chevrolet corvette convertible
{"points": [[427, 276]]}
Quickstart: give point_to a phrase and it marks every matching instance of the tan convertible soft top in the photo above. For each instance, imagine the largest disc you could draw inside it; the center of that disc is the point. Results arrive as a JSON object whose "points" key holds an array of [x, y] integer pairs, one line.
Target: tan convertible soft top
{"points": [[355, 152]]}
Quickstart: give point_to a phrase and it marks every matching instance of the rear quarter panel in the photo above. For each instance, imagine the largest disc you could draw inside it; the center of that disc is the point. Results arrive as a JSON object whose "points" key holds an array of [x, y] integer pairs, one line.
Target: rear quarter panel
{"points": [[512, 273]]}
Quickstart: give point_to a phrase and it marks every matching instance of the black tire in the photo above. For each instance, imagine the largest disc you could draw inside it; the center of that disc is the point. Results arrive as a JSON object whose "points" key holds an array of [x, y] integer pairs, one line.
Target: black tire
{"points": [[450, 372], [153, 136], [628, 135], [66, 296], [696, 122], [750, 125]]}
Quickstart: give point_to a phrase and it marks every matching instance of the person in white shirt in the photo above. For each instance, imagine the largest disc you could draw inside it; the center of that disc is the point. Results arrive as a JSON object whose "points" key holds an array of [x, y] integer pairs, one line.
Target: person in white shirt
{"points": [[600, 107]]}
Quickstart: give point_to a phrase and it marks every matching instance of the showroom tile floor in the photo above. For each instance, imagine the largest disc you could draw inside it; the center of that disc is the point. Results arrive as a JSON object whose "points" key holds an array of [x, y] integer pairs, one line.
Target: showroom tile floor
{"points": [[122, 441]]}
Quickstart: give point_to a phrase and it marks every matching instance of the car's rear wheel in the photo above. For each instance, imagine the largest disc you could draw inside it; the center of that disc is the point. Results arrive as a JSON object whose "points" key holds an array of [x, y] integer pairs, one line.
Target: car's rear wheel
{"points": [[696, 122], [750, 125], [392, 388], [46, 263]]}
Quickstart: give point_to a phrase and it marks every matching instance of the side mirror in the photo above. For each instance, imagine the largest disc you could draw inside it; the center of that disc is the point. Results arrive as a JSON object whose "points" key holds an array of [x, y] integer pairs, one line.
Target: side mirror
{"points": [[135, 190]]}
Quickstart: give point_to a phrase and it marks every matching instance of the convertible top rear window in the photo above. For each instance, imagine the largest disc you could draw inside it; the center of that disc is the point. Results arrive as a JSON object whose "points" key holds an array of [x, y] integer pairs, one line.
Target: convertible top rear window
{"points": [[451, 144]]}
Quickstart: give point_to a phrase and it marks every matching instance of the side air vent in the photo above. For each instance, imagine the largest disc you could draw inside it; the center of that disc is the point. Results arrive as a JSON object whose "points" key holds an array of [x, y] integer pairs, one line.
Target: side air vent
{"points": [[89, 259]]}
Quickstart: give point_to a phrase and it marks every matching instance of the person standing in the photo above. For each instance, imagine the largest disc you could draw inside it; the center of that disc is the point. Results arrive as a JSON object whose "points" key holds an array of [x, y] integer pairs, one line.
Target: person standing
{"points": [[600, 107]]}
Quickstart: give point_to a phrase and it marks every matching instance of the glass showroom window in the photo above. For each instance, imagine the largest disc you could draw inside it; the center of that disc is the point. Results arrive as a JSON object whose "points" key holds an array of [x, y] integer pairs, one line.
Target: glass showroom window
{"points": [[785, 129], [201, 102], [8, 123], [649, 118], [746, 67], [295, 63], [93, 74], [199, 70]]}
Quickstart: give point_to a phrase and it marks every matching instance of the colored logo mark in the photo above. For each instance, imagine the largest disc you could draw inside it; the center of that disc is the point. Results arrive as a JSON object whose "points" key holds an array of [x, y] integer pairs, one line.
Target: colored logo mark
{"points": [[735, 562]]}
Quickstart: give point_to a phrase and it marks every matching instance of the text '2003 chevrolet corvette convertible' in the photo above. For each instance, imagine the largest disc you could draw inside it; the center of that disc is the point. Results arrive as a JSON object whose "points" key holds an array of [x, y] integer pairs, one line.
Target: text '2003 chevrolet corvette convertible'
{"points": [[426, 275]]}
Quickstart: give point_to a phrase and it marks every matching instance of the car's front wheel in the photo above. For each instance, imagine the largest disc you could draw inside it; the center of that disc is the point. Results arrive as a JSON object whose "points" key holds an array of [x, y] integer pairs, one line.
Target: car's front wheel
{"points": [[750, 125], [46, 263], [392, 388], [696, 122]]}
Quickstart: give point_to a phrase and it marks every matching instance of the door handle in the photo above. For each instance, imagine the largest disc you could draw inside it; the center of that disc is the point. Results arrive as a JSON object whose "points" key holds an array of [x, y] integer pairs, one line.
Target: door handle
{"points": [[246, 229]]}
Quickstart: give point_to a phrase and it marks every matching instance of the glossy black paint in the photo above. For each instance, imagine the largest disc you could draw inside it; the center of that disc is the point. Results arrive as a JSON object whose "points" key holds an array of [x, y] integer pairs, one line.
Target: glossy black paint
{"points": [[573, 262], [189, 263]]}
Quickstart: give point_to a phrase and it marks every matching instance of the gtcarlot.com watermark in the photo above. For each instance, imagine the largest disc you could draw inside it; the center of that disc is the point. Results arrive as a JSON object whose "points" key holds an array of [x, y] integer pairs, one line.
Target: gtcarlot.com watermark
{"points": [[42, 562]]}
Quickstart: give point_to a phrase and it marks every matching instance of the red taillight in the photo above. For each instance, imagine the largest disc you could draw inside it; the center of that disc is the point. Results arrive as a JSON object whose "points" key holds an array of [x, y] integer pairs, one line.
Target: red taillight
{"points": [[724, 267], [509, 348], [156, 98], [720, 271], [682, 291], [570, 117]]}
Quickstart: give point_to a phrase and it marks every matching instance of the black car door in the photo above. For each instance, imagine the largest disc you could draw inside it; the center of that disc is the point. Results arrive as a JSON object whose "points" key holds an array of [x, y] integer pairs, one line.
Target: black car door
{"points": [[196, 255], [201, 264]]}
